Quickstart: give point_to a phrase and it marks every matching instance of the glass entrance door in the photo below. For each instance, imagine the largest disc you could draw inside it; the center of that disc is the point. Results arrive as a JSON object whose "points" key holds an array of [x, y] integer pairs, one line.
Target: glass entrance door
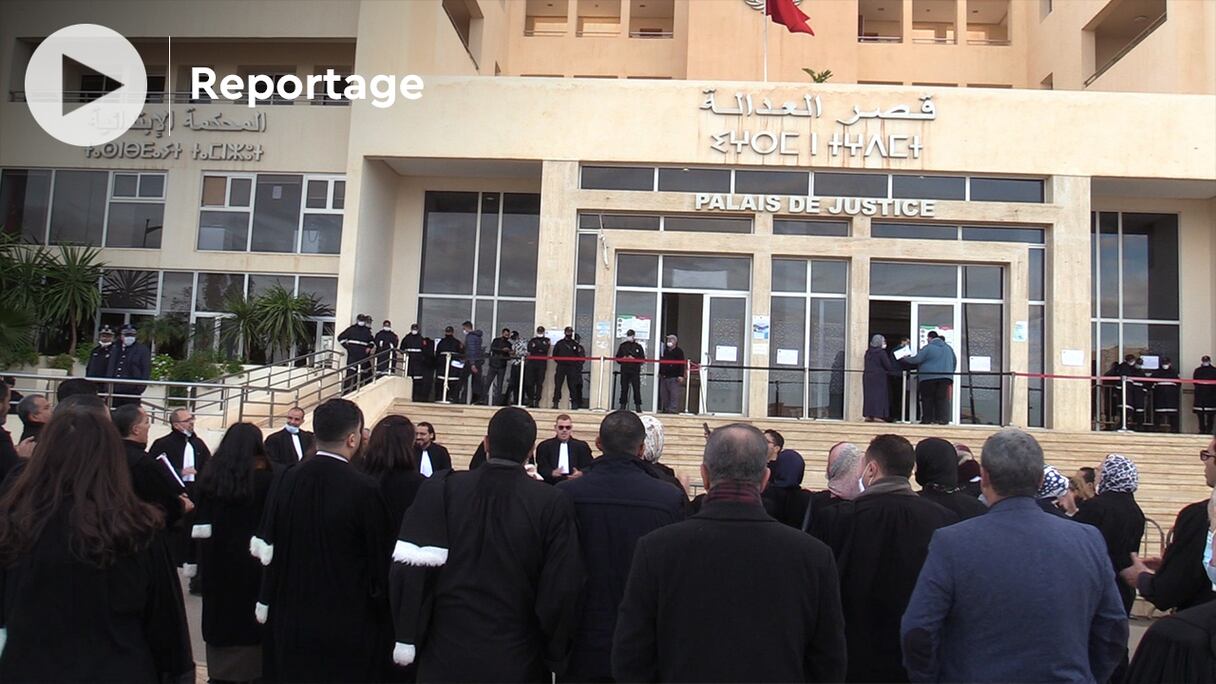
{"points": [[724, 350], [943, 319]]}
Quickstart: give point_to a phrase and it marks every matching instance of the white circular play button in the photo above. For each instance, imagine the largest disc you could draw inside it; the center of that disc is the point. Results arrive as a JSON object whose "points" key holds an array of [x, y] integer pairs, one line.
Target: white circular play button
{"points": [[66, 109]]}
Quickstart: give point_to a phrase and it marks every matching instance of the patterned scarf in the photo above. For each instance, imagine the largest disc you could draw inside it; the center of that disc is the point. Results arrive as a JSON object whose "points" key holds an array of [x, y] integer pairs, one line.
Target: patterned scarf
{"points": [[1054, 484], [1118, 474]]}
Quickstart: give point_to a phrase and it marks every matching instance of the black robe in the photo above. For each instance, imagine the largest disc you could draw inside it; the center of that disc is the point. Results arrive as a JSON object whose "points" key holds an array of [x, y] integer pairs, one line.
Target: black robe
{"points": [[486, 577], [1119, 518], [1167, 396], [787, 504], [67, 620], [153, 482], [439, 456], [325, 543], [173, 446], [1178, 648], [281, 450], [8, 454], [1205, 395], [400, 488], [549, 454], [1181, 582], [876, 378], [880, 540], [229, 577]]}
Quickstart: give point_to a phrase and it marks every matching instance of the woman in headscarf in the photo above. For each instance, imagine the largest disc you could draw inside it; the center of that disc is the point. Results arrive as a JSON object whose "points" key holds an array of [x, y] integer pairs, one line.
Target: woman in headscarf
{"points": [[1117, 516], [968, 471], [784, 497], [1054, 487], [653, 451], [875, 381], [937, 474]]}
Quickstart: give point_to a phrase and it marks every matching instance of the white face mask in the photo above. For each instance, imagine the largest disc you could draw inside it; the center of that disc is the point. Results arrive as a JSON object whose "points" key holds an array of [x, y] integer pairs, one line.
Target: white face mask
{"points": [[630, 338], [293, 429], [128, 340], [387, 328], [106, 343], [671, 345], [413, 331], [1206, 363], [861, 484], [1166, 366]]}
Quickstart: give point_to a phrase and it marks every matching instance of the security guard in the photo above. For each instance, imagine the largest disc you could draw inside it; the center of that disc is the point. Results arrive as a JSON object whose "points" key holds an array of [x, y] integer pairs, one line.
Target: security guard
{"points": [[535, 368], [99, 358], [567, 370], [631, 371], [357, 341], [449, 363], [412, 345], [385, 343]]}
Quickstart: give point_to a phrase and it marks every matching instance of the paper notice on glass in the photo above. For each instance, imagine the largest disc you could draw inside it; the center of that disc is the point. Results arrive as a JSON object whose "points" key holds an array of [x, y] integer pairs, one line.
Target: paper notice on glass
{"points": [[554, 336], [1150, 362], [787, 357], [1073, 358], [760, 327], [902, 353], [639, 325], [1020, 329], [726, 353], [979, 364]]}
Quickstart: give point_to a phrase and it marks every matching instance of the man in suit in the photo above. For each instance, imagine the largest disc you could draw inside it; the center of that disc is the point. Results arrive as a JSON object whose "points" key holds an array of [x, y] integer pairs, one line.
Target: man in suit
{"points": [[432, 457], [977, 613], [288, 446], [766, 573], [562, 456]]}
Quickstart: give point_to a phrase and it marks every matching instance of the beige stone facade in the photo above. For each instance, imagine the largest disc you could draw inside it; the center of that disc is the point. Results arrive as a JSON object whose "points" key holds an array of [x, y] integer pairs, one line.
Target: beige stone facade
{"points": [[1129, 130]]}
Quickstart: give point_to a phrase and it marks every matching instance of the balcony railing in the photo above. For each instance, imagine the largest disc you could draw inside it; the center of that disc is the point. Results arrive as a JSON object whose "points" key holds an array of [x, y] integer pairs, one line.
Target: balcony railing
{"points": [[1126, 48], [988, 41], [934, 41], [650, 34], [598, 33], [880, 39], [544, 32]]}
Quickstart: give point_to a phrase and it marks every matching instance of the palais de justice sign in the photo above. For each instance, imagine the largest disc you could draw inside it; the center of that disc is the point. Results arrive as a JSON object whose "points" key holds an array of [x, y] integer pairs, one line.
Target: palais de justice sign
{"points": [[900, 142]]}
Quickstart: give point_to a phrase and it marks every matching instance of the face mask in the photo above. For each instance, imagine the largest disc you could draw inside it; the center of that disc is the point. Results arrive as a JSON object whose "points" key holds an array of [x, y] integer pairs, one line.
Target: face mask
{"points": [[387, 328], [293, 429], [106, 343], [413, 331], [671, 345], [630, 338], [1166, 366], [128, 340], [861, 485], [1206, 363], [1207, 560]]}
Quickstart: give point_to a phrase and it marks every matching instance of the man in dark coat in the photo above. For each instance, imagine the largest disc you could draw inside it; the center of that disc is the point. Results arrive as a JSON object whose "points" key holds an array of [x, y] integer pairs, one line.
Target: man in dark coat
{"points": [[631, 371], [673, 374], [449, 366], [1177, 579], [385, 347], [567, 371], [778, 618], [562, 456], [880, 540], [288, 446], [1167, 396], [34, 411], [937, 474], [535, 368], [432, 456], [417, 365], [500, 356], [617, 501], [130, 361], [1205, 395], [188, 455], [357, 341], [474, 360], [876, 377], [487, 570], [325, 541], [99, 359], [153, 480]]}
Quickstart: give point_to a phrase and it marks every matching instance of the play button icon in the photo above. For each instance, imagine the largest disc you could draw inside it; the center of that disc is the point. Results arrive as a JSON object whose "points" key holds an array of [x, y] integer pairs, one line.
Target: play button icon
{"points": [[58, 99]]}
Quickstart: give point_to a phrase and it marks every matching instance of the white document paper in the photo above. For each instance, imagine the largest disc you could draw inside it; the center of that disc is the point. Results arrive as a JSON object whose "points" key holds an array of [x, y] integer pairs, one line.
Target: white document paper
{"points": [[1020, 331], [726, 353], [1073, 358], [787, 357], [979, 364], [902, 353], [640, 327], [1150, 362]]}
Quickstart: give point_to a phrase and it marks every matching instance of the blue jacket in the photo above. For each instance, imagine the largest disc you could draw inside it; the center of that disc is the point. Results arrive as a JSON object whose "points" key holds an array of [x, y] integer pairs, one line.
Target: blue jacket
{"points": [[474, 350], [935, 360], [616, 502], [1015, 595]]}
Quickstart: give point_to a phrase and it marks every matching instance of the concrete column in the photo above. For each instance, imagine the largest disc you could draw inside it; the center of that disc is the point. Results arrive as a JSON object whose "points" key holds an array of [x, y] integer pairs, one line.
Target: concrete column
{"points": [[761, 305], [858, 322], [571, 19], [557, 252], [367, 242], [1068, 302], [625, 14], [1018, 311], [905, 22], [960, 22]]}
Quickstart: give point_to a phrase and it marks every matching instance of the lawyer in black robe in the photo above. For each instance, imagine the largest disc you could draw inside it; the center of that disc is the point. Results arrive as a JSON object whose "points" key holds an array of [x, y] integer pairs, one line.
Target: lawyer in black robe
{"points": [[281, 448], [154, 483], [548, 458], [173, 446], [1180, 581]]}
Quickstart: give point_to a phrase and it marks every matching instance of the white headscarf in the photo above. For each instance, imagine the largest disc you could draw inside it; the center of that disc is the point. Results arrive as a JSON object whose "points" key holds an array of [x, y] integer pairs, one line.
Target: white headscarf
{"points": [[653, 449]]}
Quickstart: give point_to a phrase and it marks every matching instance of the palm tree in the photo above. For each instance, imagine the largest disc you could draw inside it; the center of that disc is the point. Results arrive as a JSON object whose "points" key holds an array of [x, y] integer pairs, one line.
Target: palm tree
{"points": [[818, 76], [17, 326], [22, 274], [72, 294], [165, 329], [281, 317], [243, 325]]}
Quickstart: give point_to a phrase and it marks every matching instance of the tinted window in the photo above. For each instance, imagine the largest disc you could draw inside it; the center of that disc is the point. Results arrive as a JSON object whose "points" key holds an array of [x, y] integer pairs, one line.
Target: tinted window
{"points": [[24, 203], [772, 182], [520, 242], [800, 227], [913, 280], [135, 224], [916, 231], [1032, 236], [1006, 190], [322, 234], [435, 313], [177, 291], [617, 178], [276, 213], [127, 289], [789, 275], [1150, 266], [694, 180], [216, 289], [850, 185], [708, 225], [1036, 275], [449, 234], [829, 277], [324, 289], [79, 206], [982, 282], [707, 273], [929, 187], [640, 270], [223, 230], [618, 222], [587, 248]]}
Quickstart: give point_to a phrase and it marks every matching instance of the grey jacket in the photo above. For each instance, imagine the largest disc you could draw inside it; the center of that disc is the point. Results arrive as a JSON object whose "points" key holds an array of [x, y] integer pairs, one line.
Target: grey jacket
{"points": [[474, 350], [935, 361]]}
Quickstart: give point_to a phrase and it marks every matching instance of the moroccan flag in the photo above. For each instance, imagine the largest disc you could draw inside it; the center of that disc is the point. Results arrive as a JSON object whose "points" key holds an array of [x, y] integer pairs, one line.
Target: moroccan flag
{"points": [[786, 13]]}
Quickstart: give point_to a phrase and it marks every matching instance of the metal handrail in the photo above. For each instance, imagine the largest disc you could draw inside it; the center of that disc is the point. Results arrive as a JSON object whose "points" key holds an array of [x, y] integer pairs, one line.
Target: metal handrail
{"points": [[651, 34], [880, 39]]}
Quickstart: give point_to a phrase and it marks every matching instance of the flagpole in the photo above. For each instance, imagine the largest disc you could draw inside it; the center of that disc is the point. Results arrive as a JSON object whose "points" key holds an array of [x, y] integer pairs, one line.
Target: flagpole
{"points": [[766, 23]]}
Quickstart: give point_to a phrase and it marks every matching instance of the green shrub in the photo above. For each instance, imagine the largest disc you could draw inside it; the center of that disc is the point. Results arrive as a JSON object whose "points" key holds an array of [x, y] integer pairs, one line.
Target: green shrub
{"points": [[18, 356], [63, 362], [197, 367], [162, 367], [83, 352]]}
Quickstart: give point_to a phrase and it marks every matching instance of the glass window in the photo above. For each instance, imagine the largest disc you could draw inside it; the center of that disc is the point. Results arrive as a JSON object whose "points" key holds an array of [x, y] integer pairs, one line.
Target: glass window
{"points": [[223, 230], [584, 316], [238, 192], [151, 185], [483, 315], [324, 289], [1149, 338], [79, 206], [487, 243], [801, 227], [980, 398], [617, 222], [516, 315], [259, 283], [1006, 190], [913, 231], [772, 182], [435, 313], [129, 289], [829, 277], [982, 282], [638, 270], [587, 249], [450, 231], [135, 224], [640, 305], [707, 273], [694, 180], [339, 197], [216, 289], [617, 178], [25, 197], [704, 224], [789, 275], [1036, 275], [1035, 386], [322, 234], [1032, 236], [850, 185], [276, 213], [1108, 264], [318, 195], [913, 280], [214, 189], [520, 243], [788, 332], [126, 184], [1150, 266], [177, 291], [929, 187], [827, 337]]}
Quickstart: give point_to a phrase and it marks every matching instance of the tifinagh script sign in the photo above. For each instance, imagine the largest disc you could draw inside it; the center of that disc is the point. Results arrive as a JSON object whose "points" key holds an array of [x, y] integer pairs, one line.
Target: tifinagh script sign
{"points": [[792, 138]]}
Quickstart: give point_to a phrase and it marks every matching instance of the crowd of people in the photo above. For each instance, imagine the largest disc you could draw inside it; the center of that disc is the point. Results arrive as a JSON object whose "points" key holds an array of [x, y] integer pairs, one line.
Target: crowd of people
{"points": [[356, 553]]}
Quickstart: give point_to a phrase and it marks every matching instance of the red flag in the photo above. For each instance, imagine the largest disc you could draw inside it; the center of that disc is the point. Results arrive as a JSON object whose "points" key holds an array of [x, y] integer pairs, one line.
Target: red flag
{"points": [[786, 13]]}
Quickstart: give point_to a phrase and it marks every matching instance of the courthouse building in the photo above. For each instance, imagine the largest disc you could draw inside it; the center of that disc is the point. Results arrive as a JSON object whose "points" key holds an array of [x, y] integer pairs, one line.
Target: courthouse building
{"points": [[1035, 180]]}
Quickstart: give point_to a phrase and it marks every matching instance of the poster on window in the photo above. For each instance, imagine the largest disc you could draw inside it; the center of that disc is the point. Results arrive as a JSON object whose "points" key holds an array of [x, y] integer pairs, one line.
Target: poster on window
{"points": [[945, 331], [640, 325]]}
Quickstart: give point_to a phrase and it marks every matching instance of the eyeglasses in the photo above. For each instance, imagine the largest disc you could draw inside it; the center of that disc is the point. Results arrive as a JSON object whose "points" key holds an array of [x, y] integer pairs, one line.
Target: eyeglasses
{"points": [[565, 427], [1205, 455]]}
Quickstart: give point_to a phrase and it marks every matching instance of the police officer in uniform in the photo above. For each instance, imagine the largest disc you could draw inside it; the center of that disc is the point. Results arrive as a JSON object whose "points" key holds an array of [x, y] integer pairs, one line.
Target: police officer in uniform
{"points": [[631, 372], [99, 358], [567, 371], [130, 361], [416, 366], [357, 341], [1167, 396], [1205, 395], [535, 368], [385, 343]]}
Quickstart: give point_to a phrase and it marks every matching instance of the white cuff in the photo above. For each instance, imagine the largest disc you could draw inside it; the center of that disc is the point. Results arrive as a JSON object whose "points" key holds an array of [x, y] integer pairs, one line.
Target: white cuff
{"points": [[200, 532], [426, 556], [259, 549], [189, 570], [403, 654], [261, 611], [4, 640]]}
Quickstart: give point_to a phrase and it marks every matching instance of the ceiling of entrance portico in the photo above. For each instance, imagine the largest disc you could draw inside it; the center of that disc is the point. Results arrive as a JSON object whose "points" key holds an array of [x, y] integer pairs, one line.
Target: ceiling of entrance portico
{"points": [[935, 11], [1153, 187], [465, 168]]}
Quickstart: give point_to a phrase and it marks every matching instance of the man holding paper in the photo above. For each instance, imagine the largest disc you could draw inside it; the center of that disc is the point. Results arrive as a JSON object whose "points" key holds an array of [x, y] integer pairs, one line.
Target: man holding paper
{"points": [[935, 363]]}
